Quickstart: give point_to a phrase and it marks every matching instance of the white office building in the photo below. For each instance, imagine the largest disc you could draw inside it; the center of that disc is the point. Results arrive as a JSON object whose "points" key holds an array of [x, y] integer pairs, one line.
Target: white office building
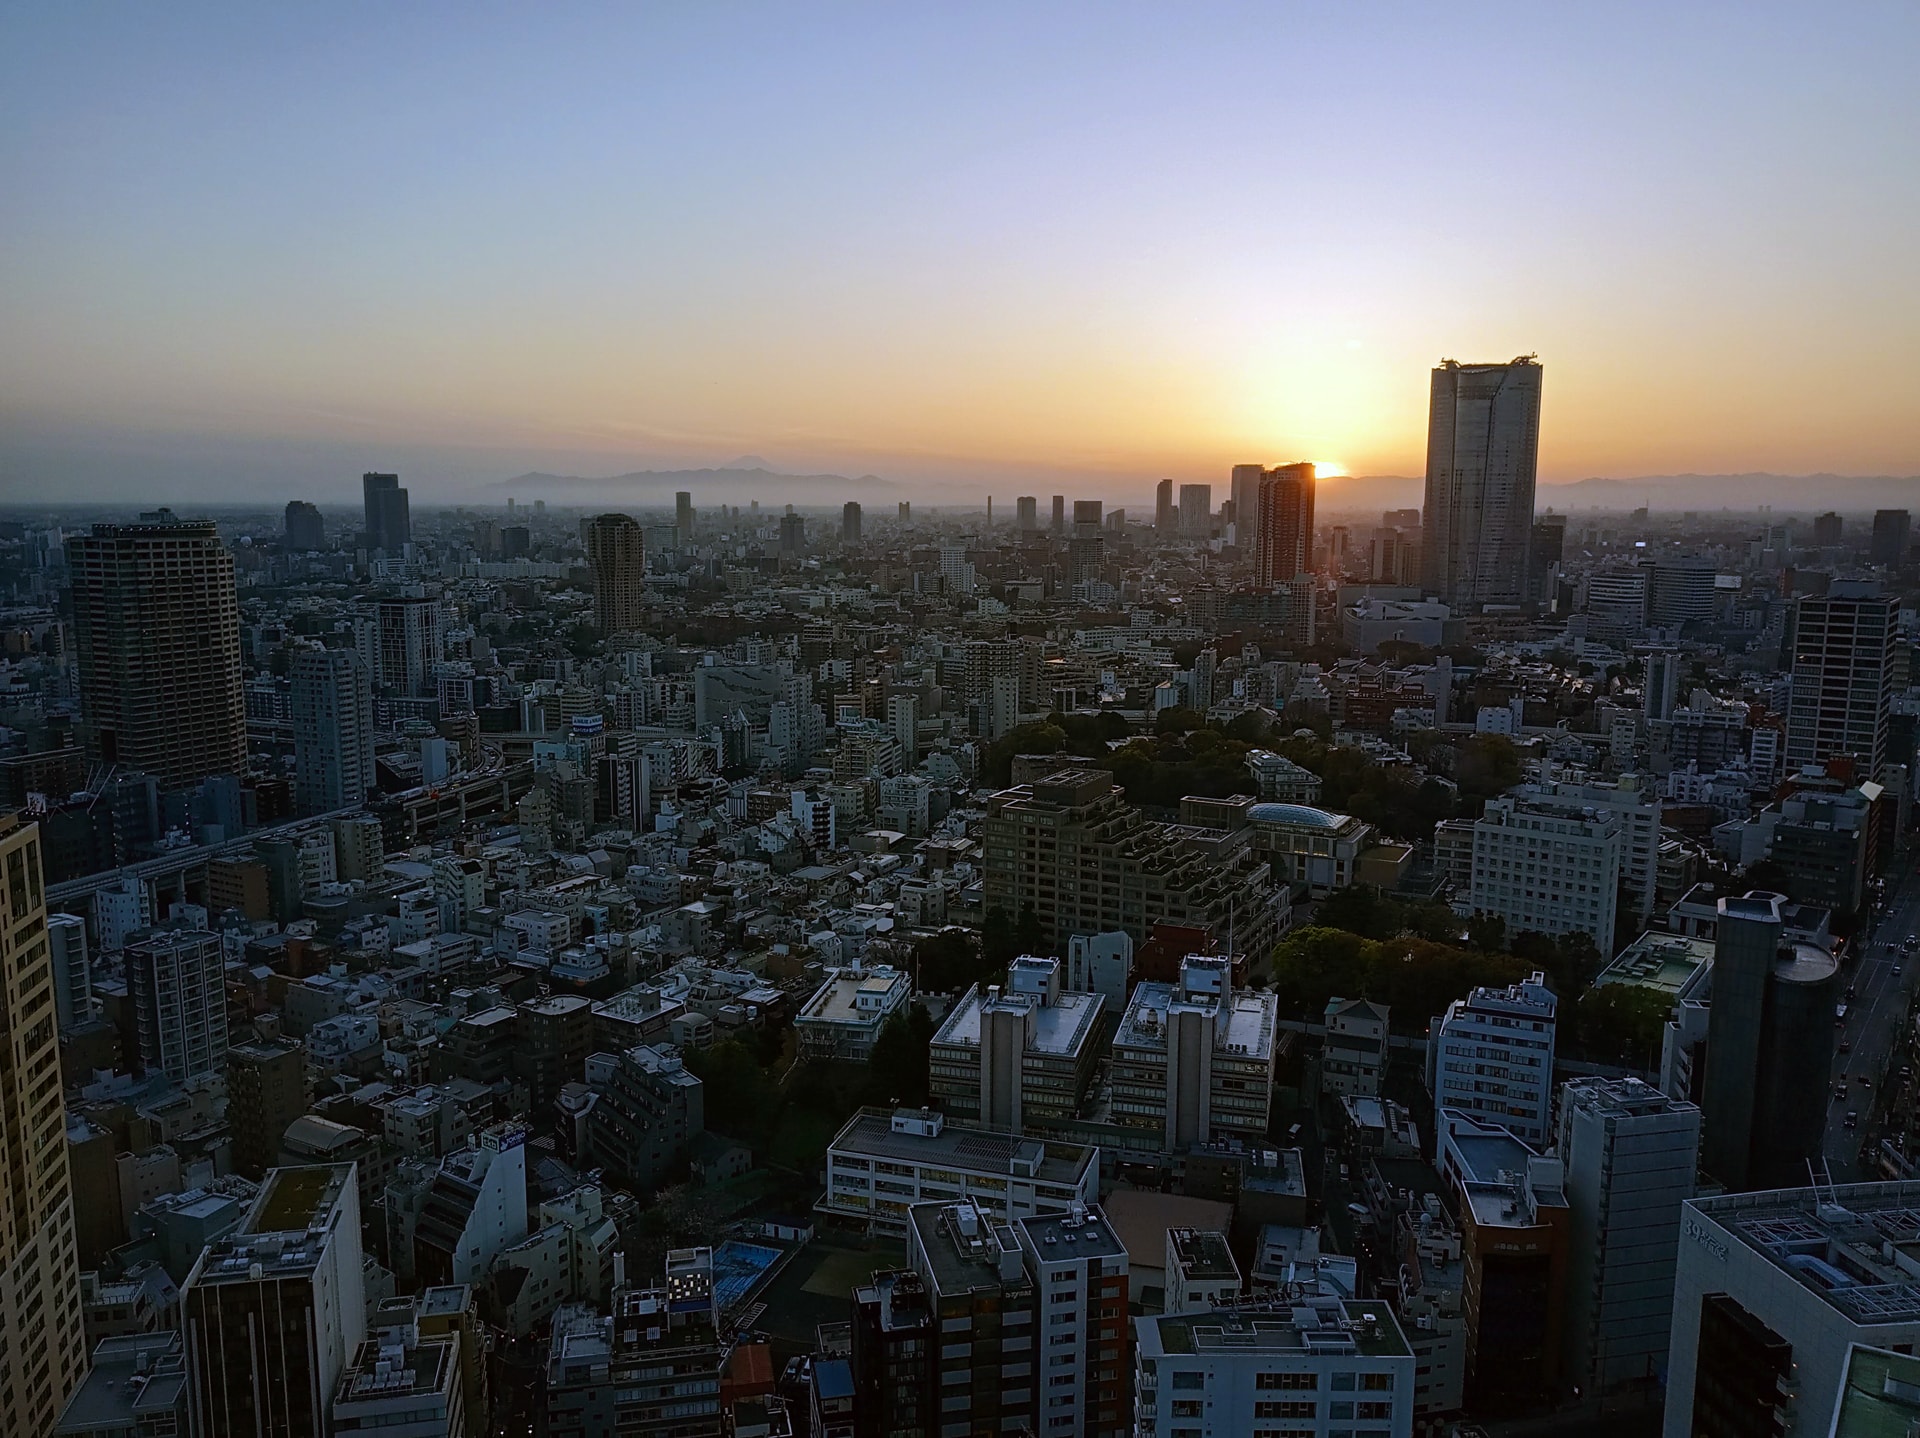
{"points": [[1315, 1368], [1490, 1056], [1772, 1290], [1547, 870], [1630, 1155]]}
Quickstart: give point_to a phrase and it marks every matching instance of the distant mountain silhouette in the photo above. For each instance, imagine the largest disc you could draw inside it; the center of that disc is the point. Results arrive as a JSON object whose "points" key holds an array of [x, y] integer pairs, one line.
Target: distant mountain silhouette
{"points": [[1788, 493], [744, 479]]}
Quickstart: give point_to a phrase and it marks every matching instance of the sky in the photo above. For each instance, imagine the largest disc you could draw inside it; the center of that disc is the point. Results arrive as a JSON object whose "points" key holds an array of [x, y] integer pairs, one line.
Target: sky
{"points": [[257, 249]]}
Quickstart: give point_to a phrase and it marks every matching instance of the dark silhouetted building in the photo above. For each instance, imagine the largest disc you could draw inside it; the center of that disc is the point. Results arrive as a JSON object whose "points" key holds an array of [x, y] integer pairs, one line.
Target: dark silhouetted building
{"points": [[305, 531], [617, 557], [389, 525], [1483, 439]]}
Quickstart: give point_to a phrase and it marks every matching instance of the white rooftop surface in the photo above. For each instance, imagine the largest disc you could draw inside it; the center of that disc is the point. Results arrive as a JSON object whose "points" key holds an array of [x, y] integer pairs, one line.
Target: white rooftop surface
{"points": [[1249, 1022], [1059, 1028]]}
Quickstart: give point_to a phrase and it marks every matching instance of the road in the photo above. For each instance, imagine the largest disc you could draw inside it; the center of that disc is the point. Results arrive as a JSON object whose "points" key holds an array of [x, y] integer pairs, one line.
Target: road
{"points": [[1874, 1017]]}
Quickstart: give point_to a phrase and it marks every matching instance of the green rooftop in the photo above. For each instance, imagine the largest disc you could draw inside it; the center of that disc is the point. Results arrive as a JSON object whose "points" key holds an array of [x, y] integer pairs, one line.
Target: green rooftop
{"points": [[1880, 1396], [295, 1196]]}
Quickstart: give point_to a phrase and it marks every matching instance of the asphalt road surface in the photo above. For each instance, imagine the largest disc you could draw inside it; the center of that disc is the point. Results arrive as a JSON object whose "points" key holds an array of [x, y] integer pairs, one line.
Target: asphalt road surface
{"points": [[1883, 978]]}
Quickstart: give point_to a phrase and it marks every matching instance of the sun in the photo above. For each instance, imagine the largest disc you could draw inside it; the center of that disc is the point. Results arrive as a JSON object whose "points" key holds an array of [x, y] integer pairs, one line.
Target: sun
{"points": [[1329, 469]]}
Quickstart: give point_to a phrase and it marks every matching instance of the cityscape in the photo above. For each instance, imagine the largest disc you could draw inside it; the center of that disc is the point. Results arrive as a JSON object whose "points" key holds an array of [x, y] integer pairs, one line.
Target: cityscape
{"points": [[523, 920]]}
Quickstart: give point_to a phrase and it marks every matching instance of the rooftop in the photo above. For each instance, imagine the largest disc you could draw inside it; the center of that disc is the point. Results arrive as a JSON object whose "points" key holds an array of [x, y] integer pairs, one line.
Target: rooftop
{"points": [[298, 1198], [112, 1398], [1299, 816], [1879, 1395], [1320, 1327], [1664, 963], [1856, 1246], [1202, 1253], [1061, 1237], [1246, 1027], [1060, 1029], [871, 1132], [383, 1369]]}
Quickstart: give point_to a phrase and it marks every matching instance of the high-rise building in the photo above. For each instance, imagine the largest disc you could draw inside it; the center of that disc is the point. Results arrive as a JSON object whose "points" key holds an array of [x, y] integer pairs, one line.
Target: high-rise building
{"points": [[157, 626], [1483, 442], [1317, 1365], [1087, 514], [793, 535], [1059, 516], [267, 1089], [1284, 501], [1663, 685], [1827, 530], [1545, 552], [404, 642], [1616, 604], [274, 1311], [1244, 491], [683, 518], [1165, 516], [850, 522], [903, 723], [1082, 1362], [42, 1351], [1196, 511], [330, 701], [1026, 514], [617, 558], [896, 1357], [651, 1370], [905, 515], [1769, 1047], [1490, 1056], [1841, 647], [73, 1001], [1892, 531], [1630, 1155], [649, 1107], [389, 525], [989, 1314], [304, 529], [176, 979]]}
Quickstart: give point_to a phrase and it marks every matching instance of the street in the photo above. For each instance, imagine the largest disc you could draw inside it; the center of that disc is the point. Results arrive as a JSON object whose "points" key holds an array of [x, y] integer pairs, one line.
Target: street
{"points": [[1875, 1015]]}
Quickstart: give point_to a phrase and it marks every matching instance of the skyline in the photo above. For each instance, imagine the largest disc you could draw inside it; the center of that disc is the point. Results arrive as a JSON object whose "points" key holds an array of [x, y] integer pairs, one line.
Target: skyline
{"points": [[981, 252]]}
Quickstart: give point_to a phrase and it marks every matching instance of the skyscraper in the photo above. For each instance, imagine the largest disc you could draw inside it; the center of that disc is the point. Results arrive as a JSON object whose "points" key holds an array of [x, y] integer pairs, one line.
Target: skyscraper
{"points": [[1840, 646], [1165, 516], [1059, 516], [1892, 530], [1245, 493], [850, 522], [683, 517], [1283, 506], [1196, 511], [793, 535], [274, 1311], [1483, 443], [305, 531], [157, 625], [1086, 518], [405, 640], [42, 1353], [1769, 1048], [617, 557], [1026, 514], [176, 979], [331, 704], [389, 525]]}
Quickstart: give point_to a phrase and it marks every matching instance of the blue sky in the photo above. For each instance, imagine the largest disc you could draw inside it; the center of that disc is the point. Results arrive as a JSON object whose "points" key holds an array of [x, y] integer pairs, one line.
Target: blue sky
{"points": [[946, 243]]}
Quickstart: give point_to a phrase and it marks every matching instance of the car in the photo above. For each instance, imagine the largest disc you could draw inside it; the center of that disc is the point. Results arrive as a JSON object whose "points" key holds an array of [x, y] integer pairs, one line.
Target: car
{"points": [[1846, 1046], [1865, 1081], [1853, 1118], [1841, 1093]]}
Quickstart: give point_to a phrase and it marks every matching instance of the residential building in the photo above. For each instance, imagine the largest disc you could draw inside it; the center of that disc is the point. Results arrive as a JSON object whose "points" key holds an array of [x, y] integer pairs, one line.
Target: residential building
{"points": [[176, 980], [1764, 1098], [1196, 511], [404, 643], [1200, 1271], [1545, 869], [136, 1388], [843, 1017], [1082, 1360], [1841, 649], [989, 1310], [897, 1363], [1194, 1060], [73, 1001], [651, 1370], [647, 1108], [1630, 1154], [1282, 524], [1316, 1367], [275, 1310], [305, 531], [1427, 1294], [1353, 1057], [881, 1163], [1490, 1056], [267, 1089], [474, 1208], [402, 1379], [552, 1039], [42, 1352], [156, 621], [1483, 437], [1101, 964], [617, 559], [1086, 862], [1635, 802], [1002, 1059], [331, 703], [1773, 1290]]}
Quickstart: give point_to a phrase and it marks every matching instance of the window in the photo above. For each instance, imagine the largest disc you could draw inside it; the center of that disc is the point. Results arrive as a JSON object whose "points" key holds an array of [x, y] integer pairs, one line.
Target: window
{"points": [[1298, 1382], [1374, 1410], [1376, 1383], [1188, 1379], [1342, 1383]]}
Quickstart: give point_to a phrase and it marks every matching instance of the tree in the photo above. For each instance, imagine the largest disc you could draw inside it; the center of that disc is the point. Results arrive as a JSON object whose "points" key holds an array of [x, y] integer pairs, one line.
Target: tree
{"points": [[1487, 933], [1030, 935], [736, 1092], [898, 1067]]}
